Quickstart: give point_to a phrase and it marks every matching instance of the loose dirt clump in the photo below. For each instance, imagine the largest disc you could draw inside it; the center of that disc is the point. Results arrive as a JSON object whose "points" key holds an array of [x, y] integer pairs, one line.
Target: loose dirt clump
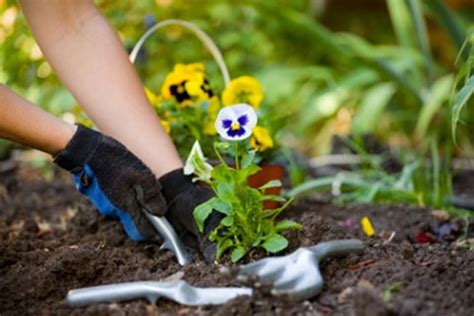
{"points": [[52, 240]]}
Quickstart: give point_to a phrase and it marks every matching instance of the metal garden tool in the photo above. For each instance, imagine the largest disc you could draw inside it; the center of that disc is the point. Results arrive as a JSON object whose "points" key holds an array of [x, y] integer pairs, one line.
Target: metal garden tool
{"points": [[178, 291], [171, 240], [297, 274]]}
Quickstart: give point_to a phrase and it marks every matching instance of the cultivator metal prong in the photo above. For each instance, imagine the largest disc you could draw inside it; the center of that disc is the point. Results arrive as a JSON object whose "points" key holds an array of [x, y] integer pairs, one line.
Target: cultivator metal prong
{"points": [[297, 274]]}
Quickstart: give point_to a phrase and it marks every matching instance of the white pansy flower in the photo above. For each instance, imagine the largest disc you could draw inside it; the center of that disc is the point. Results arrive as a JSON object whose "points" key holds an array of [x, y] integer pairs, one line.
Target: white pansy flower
{"points": [[236, 122]]}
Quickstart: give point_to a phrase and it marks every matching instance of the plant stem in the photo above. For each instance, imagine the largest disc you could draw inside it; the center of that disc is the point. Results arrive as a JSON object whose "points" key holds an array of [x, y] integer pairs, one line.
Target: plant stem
{"points": [[219, 155], [236, 155]]}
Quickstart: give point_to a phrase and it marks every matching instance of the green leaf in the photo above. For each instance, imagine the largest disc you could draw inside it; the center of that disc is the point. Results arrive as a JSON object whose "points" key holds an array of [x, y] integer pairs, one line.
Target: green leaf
{"points": [[222, 207], [202, 212], [438, 95], [421, 33], [371, 108], [270, 184], [222, 145], [228, 221], [247, 159], [388, 291], [275, 212], [275, 198], [460, 100], [257, 240], [250, 170], [237, 253], [275, 243], [310, 186], [402, 22], [287, 224], [222, 246], [449, 21], [225, 192], [220, 173]]}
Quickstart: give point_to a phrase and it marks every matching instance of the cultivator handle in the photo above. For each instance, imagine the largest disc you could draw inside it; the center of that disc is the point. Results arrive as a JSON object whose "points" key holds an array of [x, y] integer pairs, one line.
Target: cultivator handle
{"points": [[336, 248]]}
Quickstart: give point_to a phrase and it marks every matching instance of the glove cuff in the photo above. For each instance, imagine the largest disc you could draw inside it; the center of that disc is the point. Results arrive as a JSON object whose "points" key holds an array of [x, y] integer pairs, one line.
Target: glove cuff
{"points": [[175, 182], [79, 149]]}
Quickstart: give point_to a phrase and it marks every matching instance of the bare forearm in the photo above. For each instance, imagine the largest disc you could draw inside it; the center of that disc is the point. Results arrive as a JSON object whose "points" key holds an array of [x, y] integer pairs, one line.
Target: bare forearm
{"points": [[90, 60], [25, 123]]}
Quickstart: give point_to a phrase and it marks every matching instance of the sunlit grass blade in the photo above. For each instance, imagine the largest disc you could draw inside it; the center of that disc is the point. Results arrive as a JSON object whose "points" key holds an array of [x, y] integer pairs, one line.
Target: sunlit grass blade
{"points": [[437, 199], [371, 108], [402, 23], [421, 35], [461, 98], [439, 95], [448, 21]]}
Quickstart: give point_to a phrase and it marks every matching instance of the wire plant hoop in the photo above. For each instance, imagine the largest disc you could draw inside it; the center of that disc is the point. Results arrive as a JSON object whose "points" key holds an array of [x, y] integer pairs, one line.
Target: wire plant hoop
{"points": [[199, 33]]}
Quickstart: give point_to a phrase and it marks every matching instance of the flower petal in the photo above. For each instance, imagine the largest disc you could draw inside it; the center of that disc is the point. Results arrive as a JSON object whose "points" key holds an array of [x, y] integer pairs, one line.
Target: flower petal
{"points": [[241, 115]]}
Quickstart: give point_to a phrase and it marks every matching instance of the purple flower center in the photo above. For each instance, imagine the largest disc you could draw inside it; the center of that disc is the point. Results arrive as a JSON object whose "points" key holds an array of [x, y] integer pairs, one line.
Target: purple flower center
{"points": [[230, 127], [243, 120]]}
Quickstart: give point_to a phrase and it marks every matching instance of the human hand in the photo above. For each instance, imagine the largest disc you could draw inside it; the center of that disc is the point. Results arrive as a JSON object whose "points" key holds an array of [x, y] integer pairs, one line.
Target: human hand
{"points": [[183, 196], [115, 180]]}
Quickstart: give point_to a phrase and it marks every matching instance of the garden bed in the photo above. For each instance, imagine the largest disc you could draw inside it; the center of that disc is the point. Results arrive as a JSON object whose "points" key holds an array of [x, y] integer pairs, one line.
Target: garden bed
{"points": [[52, 240]]}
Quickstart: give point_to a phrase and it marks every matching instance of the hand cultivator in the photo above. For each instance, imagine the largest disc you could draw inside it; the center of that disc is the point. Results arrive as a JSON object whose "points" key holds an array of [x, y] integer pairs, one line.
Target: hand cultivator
{"points": [[296, 275]]}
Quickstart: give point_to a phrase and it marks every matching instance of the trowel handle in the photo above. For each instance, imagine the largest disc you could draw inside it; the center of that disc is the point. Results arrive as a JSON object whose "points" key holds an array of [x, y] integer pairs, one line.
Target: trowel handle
{"points": [[334, 248], [171, 239], [178, 291], [106, 294], [115, 293]]}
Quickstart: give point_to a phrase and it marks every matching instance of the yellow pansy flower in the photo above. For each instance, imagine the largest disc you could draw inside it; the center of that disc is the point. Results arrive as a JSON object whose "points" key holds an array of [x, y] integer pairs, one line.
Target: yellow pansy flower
{"points": [[80, 117], [186, 83], [214, 106], [244, 89], [153, 98], [166, 125], [209, 128], [189, 68], [261, 139]]}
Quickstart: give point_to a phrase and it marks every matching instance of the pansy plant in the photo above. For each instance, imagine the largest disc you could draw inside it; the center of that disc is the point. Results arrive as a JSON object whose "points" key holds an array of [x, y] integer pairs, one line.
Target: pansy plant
{"points": [[246, 224], [188, 108]]}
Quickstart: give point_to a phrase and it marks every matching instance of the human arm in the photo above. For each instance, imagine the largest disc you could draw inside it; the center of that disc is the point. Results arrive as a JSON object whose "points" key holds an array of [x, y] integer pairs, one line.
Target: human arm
{"points": [[114, 173], [90, 60], [27, 124]]}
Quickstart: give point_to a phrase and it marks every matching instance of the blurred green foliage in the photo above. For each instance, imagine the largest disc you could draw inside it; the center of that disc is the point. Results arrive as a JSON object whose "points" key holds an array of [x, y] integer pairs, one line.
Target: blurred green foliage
{"points": [[385, 67]]}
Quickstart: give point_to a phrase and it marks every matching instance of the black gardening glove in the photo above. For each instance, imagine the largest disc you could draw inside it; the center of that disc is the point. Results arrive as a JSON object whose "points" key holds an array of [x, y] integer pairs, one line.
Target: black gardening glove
{"points": [[183, 196], [115, 180]]}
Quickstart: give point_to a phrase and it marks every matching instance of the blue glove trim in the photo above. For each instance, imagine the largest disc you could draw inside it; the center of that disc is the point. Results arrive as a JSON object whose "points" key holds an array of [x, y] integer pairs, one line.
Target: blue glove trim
{"points": [[103, 204]]}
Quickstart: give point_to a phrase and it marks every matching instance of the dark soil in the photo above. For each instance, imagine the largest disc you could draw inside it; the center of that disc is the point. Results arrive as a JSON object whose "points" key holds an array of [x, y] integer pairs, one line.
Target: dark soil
{"points": [[51, 241]]}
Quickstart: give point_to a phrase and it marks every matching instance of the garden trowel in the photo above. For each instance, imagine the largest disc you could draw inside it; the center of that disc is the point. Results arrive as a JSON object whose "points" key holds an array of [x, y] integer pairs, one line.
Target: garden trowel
{"points": [[296, 275], [177, 291], [171, 240]]}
